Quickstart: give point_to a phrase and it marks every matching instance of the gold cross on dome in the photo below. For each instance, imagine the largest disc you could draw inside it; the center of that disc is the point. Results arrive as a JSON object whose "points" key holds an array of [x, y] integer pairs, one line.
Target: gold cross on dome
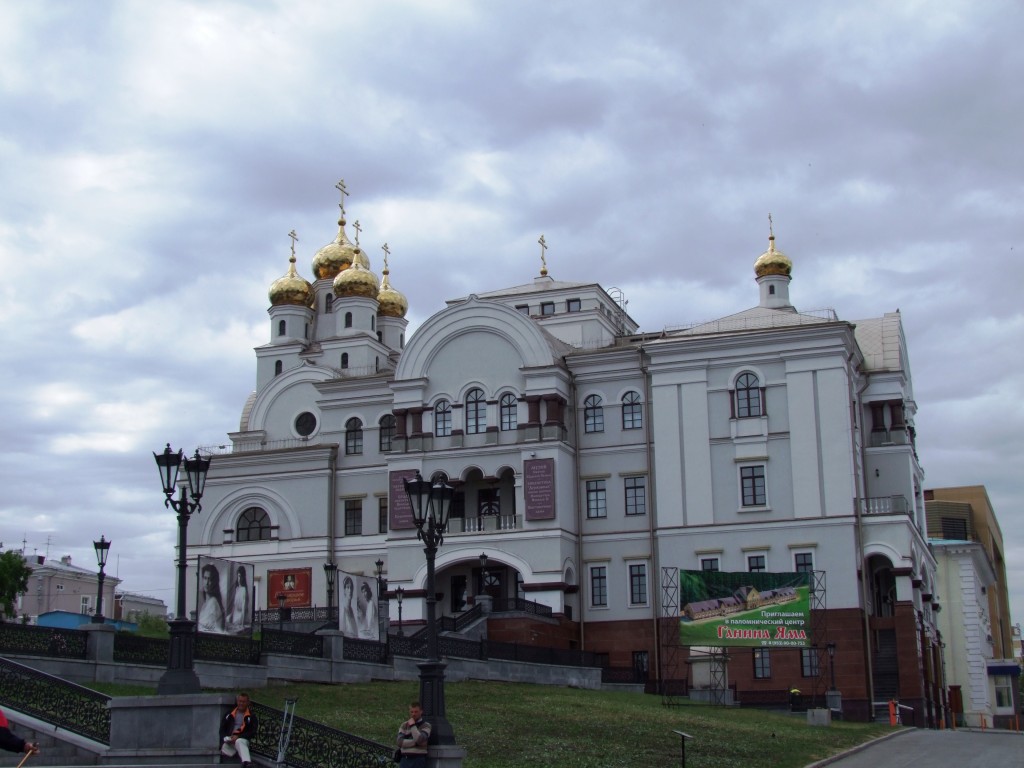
{"points": [[340, 186], [543, 261], [387, 252], [771, 233], [295, 239], [358, 229]]}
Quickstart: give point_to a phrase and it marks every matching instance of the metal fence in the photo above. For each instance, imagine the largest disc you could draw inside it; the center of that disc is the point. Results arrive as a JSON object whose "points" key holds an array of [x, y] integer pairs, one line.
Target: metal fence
{"points": [[293, 643], [55, 701], [132, 649], [42, 641]]}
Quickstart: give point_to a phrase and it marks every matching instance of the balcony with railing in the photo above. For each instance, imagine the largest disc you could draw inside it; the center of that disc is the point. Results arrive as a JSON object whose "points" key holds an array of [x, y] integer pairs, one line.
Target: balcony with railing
{"points": [[885, 505], [485, 524]]}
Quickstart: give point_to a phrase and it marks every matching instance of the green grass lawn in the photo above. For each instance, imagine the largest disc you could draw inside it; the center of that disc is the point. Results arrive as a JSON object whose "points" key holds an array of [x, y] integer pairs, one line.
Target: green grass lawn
{"points": [[512, 725]]}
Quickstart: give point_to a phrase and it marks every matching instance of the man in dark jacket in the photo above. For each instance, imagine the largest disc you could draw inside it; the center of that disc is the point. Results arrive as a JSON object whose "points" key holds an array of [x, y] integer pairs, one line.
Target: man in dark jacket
{"points": [[13, 743], [237, 729]]}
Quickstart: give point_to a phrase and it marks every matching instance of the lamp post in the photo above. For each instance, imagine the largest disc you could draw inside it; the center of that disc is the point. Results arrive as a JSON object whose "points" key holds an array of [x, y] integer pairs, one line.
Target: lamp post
{"points": [[180, 676], [331, 573], [281, 597], [431, 504], [399, 594], [380, 581], [102, 547], [832, 663], [483, 573]]}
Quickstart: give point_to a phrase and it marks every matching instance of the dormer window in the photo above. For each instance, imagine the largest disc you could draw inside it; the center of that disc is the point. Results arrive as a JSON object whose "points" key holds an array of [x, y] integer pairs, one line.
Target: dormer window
{"points": [[547, 308], [573, 305], [523, 308]]}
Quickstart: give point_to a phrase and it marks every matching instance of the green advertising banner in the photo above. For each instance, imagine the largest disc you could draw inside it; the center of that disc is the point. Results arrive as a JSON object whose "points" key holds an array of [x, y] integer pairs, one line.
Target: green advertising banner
{"points": [[737, 608]]}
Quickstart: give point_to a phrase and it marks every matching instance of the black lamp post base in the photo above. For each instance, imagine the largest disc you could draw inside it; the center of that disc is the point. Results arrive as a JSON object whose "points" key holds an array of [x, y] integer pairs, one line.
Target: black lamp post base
{"points": [[432, 699], [180, 677], [98, 620]]}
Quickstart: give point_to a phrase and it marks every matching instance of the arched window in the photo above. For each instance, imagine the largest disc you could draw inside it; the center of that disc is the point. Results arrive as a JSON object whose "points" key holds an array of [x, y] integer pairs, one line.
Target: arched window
{"points": [[253, 525], [278, 367], [748, 396], [329, 304], [281, 327], [387, 431], [373, 323], [509, 411], [593, 414], [476, 412], [348, 319], [443, 419], [344, 360], [353, 437], [632, 411]]}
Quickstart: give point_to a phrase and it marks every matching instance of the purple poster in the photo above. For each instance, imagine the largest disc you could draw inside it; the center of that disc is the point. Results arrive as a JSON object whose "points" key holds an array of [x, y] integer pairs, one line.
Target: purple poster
{"points": [[399, 509], [539, 488]]}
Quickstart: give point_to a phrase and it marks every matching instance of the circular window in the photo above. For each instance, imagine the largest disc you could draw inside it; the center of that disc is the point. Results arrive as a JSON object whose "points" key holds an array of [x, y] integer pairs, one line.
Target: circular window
{"points": [[305, 423]]}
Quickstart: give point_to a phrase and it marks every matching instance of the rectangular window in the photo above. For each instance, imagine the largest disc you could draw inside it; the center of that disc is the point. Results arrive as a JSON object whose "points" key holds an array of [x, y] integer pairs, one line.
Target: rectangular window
{"points": [[572, 305], [762, 664], [803, 562], [752, 480], [709, 563], [636, 495], [755, 563], [353, 517], [597, 503], [599, 586], [547, 308], [641, 663], [809, 662], [382, 514], [638, 584], [523, 308], [954, 529], [85, 604], [1004, 694]]}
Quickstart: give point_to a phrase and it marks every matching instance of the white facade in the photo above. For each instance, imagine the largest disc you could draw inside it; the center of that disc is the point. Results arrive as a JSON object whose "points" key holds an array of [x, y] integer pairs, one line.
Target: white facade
{"points": [[756, 436]]}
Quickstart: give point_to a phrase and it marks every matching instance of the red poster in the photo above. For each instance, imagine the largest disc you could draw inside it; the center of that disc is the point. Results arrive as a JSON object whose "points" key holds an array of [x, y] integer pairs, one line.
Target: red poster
{"points": [[296, 584]]}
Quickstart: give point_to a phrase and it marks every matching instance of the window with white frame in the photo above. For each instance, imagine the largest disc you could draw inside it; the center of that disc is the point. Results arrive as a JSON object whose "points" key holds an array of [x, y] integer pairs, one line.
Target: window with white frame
{"points": [[599, 586], [593, 414], [387, 432], [752, 486], [636, 495], [476, 412], [756, 563], [1004, 691], [353, 517], [597, 502], [85, 604], [803, 562], [443, 419], [353, 437], [638, 583], [748, 396], [509, 408], [632, 411], [709, 563]]}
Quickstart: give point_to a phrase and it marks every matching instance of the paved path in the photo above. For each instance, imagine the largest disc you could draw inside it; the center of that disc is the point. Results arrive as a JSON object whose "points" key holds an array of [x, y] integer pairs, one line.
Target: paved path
{"points": [[941, 749]]}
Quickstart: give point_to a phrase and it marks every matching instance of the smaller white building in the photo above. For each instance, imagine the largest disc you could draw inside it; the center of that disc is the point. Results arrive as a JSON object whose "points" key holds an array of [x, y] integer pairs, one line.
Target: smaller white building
{"points": [[58, 585]]}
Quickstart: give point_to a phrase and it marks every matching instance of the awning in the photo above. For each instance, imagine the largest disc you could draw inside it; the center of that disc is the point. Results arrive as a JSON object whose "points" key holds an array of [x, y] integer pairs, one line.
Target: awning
{"points": [[1013, 670]]}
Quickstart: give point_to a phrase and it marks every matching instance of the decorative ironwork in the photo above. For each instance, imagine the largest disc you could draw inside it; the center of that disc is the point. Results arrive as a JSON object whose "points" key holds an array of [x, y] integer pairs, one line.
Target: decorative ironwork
{"points": [[233, 650], [55, 701], [518, 604], [312, 745], [320, 614], [42, 641], [133, 649], [466, 618], [409, 645], [293, 643], [354, 649]]}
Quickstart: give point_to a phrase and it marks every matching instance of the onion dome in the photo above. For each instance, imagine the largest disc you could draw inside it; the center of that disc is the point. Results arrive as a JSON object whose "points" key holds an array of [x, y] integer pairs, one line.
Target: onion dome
{"points": [[338, 254], [291, 288], [392, 302], [357, 280], [773, 262]]}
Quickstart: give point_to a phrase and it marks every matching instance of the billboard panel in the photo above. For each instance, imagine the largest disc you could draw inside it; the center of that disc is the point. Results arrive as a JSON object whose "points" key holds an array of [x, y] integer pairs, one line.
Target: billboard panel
{"points": [[225, 597], [357, 607], [296, 584], [738, 608]]}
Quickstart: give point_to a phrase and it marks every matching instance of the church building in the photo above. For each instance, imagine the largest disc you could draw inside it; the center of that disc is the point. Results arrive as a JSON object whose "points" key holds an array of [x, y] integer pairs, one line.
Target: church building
{"points": [[592, 461]]}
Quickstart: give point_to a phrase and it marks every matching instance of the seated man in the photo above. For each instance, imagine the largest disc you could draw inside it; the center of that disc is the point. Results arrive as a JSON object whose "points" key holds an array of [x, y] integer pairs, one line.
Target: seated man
{"points": [[237, 729]]}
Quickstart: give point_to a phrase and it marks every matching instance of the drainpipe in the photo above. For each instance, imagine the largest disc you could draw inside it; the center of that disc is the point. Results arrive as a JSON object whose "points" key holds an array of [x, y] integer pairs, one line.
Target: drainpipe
{"points": [[332, 472], [582, 579], [652, 509], [858, 418]]}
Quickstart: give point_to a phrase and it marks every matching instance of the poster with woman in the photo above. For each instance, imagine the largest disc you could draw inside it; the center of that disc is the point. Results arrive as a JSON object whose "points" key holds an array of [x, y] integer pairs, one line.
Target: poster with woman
{"points": [[295, 585], [224, 597], [357, 609]]}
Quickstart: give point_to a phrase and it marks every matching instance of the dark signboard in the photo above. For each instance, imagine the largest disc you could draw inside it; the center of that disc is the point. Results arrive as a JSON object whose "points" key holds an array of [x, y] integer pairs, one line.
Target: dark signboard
{"points": [[738, 608], [539, 488], [296, 584], [399, 509]]}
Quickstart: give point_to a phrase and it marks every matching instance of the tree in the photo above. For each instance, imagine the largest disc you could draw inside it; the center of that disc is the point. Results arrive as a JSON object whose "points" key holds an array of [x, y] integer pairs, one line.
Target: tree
{"points": [[14, 574]]}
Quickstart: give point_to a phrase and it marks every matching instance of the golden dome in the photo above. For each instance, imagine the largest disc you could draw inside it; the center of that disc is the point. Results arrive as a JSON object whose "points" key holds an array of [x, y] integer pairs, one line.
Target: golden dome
{"points": [[337, 255], [291, 288], [392, 302], [773, 262], [357, 280]]}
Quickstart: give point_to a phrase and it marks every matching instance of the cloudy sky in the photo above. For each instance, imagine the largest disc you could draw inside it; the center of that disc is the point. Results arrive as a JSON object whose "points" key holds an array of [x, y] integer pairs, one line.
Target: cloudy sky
{"points": [[154, 156]]}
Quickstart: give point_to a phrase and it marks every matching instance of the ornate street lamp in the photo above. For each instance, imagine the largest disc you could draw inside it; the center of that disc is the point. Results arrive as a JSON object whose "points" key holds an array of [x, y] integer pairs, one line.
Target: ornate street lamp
{"points": [[331, 573], [102, 547], [180, 676], [281, 598], [431, 504], [380, 581], [483, 572], [399, 594]]}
